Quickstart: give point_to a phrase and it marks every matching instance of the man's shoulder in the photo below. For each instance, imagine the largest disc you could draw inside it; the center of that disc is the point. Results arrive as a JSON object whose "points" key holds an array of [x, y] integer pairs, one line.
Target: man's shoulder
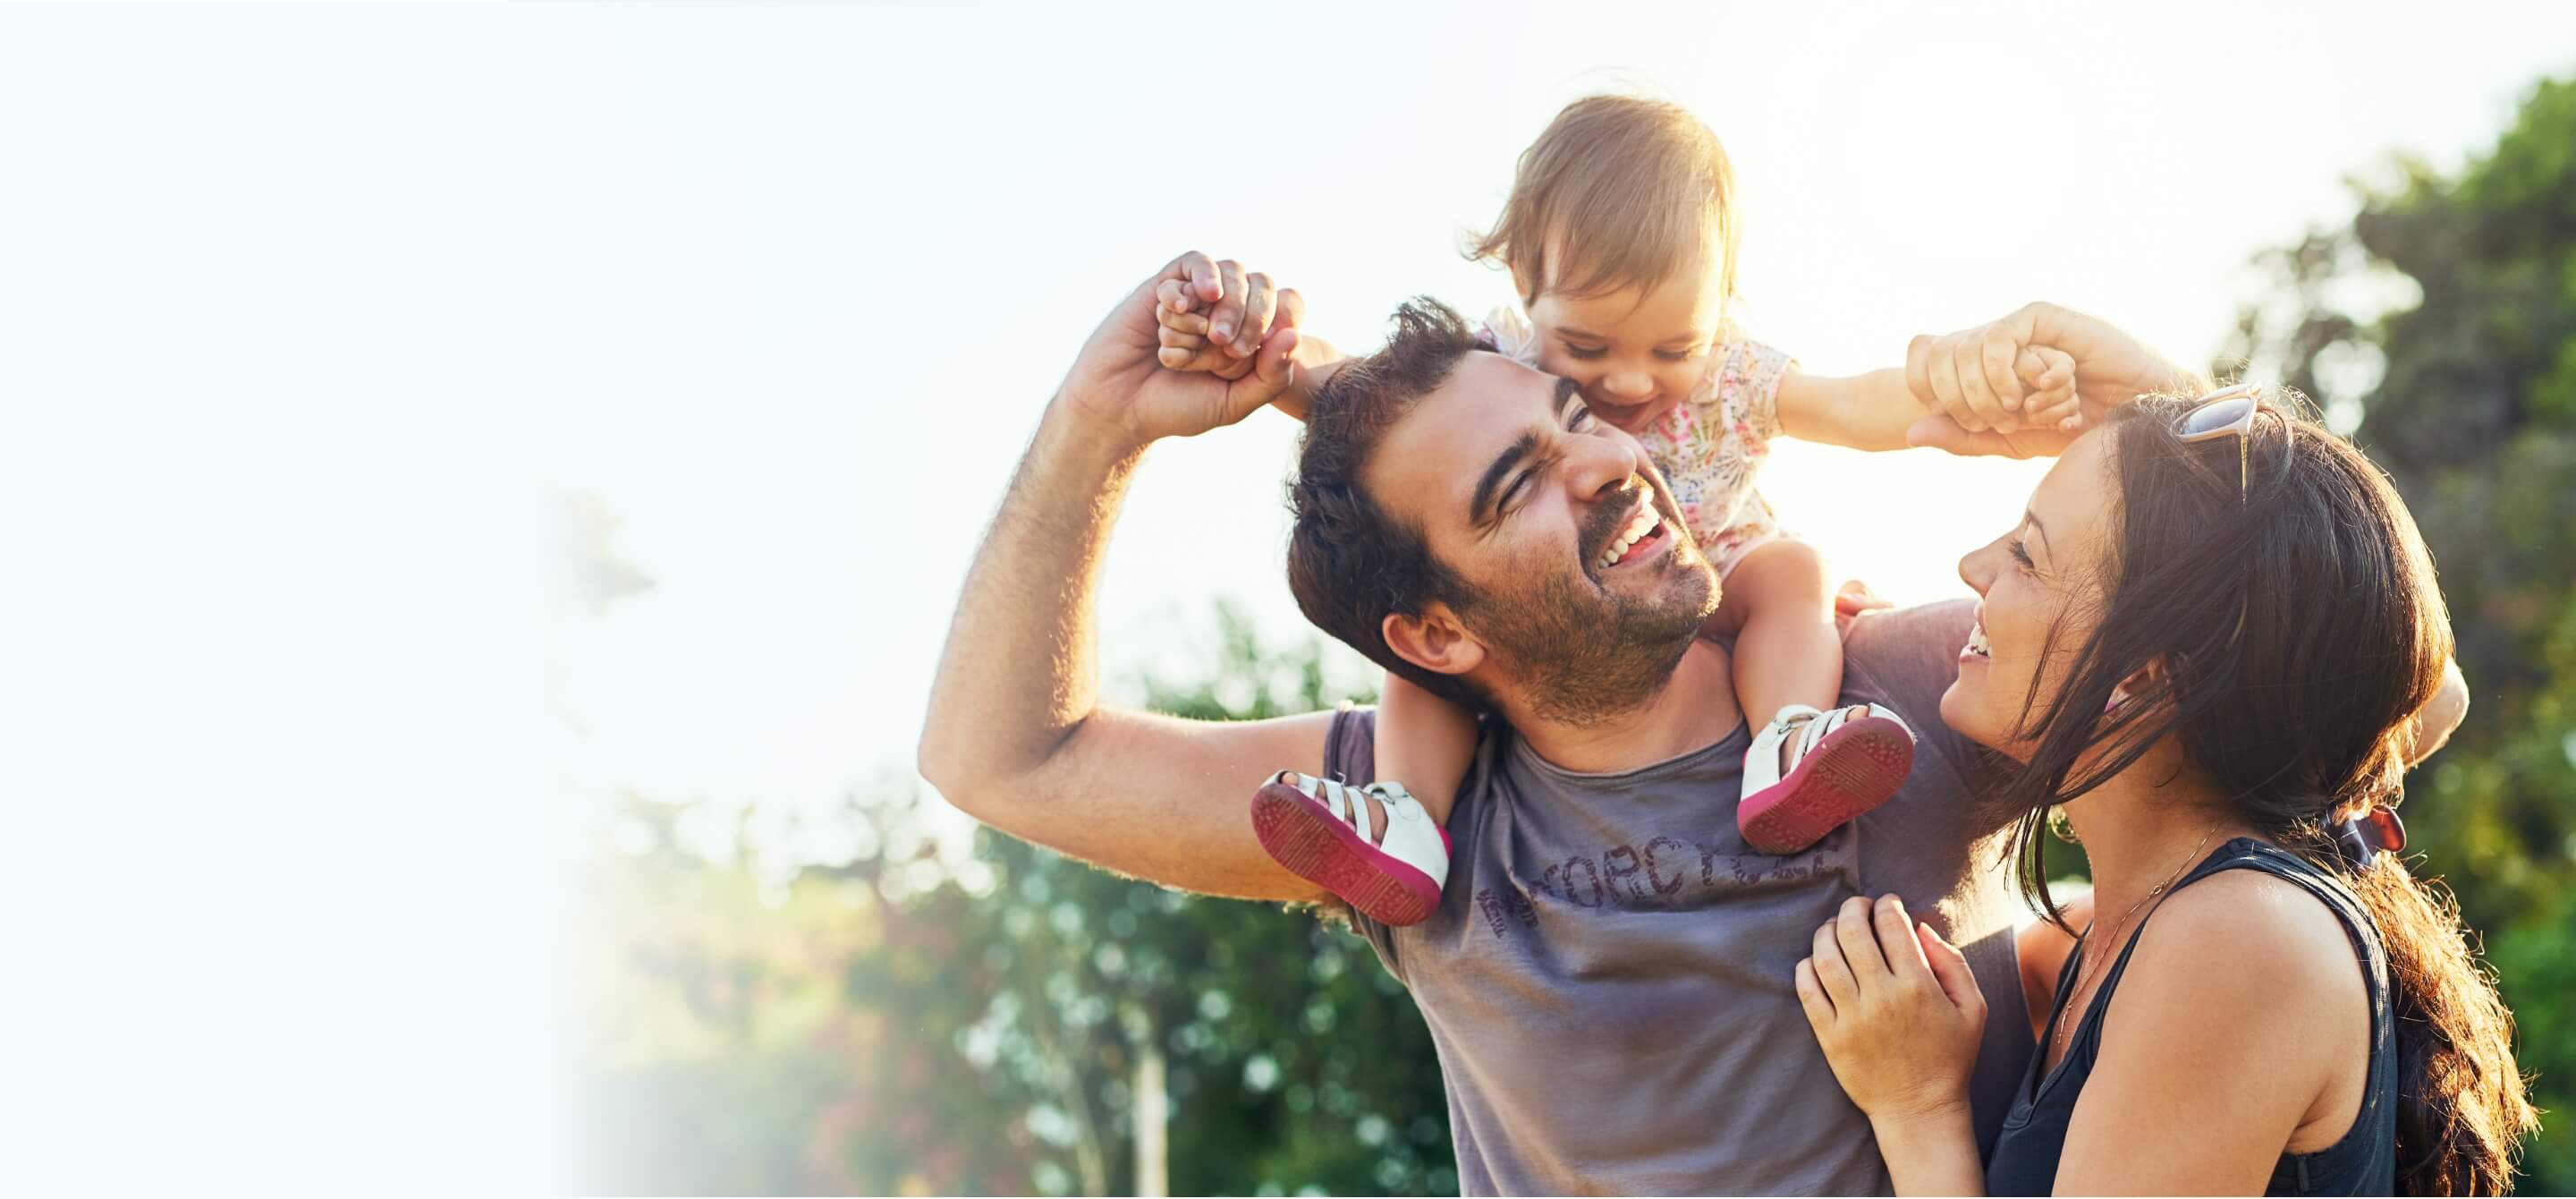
{"points": [[1922, 640], [1906, 658]]}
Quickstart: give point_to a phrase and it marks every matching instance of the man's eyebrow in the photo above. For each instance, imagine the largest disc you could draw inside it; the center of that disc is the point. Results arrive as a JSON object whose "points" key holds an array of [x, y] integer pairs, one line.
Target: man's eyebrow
{"points": [[1565, 389], [1513, 455]]}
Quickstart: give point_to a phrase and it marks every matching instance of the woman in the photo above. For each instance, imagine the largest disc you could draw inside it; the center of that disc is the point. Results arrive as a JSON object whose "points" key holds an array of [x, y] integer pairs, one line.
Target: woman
{"points": [[2203, 645]]}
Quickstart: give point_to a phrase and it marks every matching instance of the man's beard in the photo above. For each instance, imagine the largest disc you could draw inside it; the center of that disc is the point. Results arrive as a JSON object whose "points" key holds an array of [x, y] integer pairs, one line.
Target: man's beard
{"points": [[1582, 655]]}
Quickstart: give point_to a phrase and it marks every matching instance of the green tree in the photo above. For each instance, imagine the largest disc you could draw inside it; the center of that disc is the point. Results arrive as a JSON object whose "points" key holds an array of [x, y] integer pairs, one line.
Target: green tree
{"points": [[2465, 391]]}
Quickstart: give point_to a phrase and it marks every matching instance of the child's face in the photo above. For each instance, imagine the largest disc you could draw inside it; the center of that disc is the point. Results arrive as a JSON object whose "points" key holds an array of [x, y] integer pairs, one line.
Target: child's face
{"points": [[1635, 356]]}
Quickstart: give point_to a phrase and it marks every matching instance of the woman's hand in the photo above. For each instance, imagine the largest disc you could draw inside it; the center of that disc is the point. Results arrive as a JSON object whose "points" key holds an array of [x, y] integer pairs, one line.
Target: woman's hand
{"points": [[1896, 1009]]}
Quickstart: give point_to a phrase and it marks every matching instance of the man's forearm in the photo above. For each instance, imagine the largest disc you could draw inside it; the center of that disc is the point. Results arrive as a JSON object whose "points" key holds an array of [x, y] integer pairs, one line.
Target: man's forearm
{"points": [[1019, 672]]}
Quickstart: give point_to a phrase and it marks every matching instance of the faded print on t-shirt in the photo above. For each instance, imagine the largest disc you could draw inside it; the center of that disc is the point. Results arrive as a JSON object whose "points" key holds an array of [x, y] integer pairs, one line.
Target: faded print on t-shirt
{"points": [[1607, 978]]}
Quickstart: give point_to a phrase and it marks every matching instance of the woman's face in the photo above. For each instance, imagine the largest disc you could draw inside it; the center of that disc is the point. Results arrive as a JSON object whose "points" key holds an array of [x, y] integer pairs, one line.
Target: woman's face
{"points": [[2045, 570]]}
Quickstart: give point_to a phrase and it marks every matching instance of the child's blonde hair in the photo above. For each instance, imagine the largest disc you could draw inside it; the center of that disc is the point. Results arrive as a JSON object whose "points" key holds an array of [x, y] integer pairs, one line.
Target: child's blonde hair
{"points": [[1629, 191]]}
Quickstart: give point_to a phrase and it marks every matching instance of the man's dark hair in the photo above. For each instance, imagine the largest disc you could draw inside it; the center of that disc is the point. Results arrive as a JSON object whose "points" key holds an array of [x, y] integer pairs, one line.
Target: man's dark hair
{"points": [[1351, 563]]}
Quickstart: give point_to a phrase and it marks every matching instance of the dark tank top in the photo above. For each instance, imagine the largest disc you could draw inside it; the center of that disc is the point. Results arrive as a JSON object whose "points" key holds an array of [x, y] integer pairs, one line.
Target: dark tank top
{"points": [[2364, 1162]]}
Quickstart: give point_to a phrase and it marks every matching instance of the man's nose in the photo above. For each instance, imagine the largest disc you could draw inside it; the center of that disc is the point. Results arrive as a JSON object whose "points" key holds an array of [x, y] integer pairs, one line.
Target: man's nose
{"points": [[1601, 467]]}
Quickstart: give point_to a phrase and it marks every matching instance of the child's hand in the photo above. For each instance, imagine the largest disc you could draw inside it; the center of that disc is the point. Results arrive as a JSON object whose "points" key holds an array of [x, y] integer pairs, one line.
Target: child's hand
{"points": [[2051, 412], [2048, 399], [1989, 380], [1214, 321]]}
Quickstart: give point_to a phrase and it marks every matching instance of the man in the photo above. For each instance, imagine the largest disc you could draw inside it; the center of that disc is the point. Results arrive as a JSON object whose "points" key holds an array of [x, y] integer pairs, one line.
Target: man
{"points": [[1608, 978]]}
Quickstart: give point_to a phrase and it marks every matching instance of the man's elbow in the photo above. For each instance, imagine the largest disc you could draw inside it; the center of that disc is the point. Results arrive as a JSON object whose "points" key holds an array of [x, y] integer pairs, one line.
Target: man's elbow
{"points": [[976, 774], [2442, 714], [948, 765]]}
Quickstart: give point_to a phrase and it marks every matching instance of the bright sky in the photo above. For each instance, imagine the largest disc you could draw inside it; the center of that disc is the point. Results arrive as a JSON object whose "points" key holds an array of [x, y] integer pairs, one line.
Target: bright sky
{"points": [[305, 312]]}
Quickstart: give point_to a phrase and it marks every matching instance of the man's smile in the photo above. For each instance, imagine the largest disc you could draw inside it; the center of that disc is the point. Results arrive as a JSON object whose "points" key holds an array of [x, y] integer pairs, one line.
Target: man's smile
{"points": [[1645, 533]]}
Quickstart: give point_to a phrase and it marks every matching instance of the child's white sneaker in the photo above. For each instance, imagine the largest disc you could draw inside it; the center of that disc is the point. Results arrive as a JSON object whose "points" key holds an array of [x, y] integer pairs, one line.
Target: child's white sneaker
{"points": [[1319, 829], [1842, 763]]}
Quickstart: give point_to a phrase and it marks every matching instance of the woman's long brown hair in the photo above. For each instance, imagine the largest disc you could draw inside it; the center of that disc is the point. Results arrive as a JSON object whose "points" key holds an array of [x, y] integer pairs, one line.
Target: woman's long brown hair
{"points": [[2298, 711]]}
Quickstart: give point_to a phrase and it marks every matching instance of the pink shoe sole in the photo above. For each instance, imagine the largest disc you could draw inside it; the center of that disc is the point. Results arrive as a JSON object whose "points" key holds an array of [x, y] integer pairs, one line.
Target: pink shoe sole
{"points": [[1303, 835], [1855, 768]]}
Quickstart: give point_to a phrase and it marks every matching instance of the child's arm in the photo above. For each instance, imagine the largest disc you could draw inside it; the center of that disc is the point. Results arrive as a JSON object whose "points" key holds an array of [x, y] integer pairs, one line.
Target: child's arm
{"points": [[1424, 742], [1873, 411]]}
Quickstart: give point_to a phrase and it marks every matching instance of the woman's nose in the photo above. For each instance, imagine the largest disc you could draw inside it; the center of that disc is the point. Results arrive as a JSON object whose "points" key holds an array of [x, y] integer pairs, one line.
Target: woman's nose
{"points": [[1977, 568]]}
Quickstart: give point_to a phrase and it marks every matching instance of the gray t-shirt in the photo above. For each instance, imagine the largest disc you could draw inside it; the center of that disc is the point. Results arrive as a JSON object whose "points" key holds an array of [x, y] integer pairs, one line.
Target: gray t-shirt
{"points": [[1607, 979]]}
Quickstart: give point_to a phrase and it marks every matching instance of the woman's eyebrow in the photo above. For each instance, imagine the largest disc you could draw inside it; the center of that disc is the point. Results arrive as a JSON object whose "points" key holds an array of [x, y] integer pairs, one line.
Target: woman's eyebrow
{"points": [[2032, 519]]}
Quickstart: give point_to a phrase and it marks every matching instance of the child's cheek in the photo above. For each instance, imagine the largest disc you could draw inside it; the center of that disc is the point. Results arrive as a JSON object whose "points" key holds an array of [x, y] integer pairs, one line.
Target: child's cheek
{"points": [[1682, 378]]}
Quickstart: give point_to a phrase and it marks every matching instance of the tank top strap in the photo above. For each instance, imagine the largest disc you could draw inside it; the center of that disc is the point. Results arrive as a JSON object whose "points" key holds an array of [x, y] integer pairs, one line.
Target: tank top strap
{"points": [[2246, 853]]}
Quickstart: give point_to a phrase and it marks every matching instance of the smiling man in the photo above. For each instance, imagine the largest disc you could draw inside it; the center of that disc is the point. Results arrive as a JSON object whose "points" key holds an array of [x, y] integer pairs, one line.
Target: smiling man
{"points": [[1608, 977]]}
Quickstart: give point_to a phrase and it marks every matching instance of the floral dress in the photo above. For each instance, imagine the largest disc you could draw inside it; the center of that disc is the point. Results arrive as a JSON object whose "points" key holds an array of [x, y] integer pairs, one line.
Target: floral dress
{"points": [[1707, 446]]}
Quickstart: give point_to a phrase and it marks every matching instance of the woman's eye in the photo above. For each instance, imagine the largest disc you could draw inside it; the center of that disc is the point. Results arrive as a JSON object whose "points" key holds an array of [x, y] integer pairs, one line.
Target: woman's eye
{"points": [[2021, 554]]}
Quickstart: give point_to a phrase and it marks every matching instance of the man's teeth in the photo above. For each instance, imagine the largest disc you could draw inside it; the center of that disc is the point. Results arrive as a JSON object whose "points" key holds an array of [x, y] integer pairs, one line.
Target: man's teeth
{"points": [[1646, 521], [1977, 643]]}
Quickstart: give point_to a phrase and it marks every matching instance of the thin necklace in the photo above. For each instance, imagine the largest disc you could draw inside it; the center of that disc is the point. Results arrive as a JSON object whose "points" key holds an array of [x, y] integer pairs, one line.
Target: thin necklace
{"points": [[2066, 1026]]}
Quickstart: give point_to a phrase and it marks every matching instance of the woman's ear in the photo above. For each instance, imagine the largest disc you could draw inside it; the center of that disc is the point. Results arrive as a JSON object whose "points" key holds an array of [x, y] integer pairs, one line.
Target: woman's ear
{"points": [[2141, 681], [1433, 640]]}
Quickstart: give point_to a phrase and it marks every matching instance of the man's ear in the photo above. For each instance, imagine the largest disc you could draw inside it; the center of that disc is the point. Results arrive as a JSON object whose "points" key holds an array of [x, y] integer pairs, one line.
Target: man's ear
{"points": [[1433, 640]]}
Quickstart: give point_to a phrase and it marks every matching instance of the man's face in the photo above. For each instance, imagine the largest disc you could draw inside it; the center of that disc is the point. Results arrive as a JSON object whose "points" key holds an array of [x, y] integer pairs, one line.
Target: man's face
{"points": [[1587, 586]]}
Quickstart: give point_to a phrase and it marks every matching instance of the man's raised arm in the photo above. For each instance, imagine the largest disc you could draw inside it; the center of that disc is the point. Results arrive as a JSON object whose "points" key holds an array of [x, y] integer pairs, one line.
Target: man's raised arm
{"points": [[1015, 735]]}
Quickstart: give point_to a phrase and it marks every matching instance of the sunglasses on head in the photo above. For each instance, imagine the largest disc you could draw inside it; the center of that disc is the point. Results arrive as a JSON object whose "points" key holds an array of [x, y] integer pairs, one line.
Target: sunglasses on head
{"points": [[2224, 413]]}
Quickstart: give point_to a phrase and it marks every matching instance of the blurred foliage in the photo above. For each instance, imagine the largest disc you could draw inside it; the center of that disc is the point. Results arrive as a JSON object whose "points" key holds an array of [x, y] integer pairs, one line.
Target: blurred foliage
{"points": [[894, 1020], [2443, 319]]}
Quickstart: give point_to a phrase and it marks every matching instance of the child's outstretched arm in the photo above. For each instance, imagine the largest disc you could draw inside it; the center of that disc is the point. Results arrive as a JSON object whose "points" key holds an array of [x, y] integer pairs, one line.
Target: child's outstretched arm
{"points": [[1875, 410], [1207, 324]]}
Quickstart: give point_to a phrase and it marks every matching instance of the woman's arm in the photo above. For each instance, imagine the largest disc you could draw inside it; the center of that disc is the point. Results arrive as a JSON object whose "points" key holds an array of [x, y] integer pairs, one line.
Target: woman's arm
{"points": [[1899, 1016]]}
